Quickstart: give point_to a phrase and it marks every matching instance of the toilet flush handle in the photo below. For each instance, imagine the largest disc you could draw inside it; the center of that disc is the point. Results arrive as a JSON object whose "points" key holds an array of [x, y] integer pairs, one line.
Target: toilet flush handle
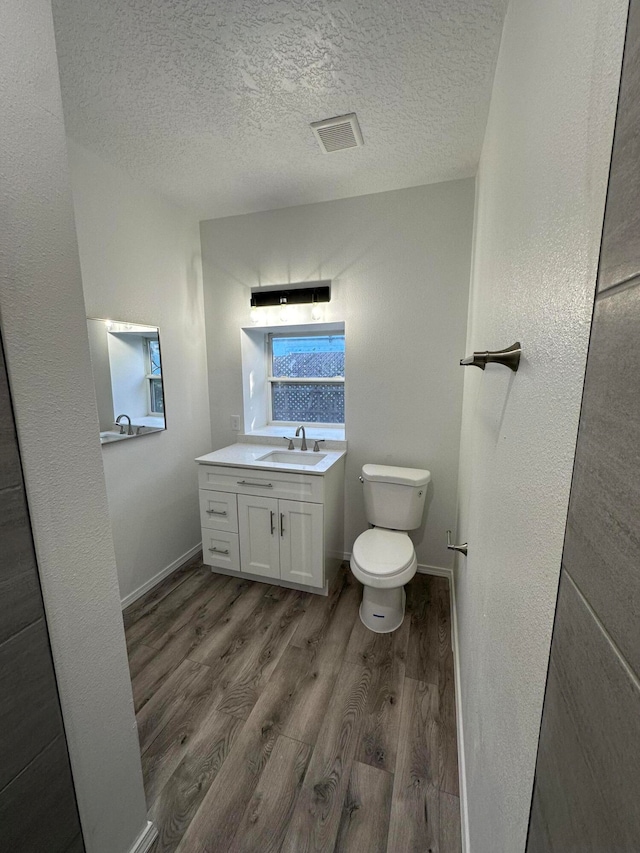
{"points": [[461, 548], [361, 478]]}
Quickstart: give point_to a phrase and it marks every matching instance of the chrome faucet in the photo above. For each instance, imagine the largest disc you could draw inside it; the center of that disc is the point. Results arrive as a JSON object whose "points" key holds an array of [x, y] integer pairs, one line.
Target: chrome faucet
{"points": [[129, 430], [303, 446]]}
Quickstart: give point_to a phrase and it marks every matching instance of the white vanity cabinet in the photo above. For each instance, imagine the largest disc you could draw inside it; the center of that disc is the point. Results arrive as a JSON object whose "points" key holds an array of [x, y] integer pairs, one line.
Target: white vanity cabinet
{"points": [[285, 527]]}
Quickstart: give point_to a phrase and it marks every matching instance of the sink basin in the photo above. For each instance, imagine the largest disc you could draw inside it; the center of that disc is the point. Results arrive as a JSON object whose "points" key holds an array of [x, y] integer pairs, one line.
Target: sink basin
{"points": [[107, 437], [292, 457]]}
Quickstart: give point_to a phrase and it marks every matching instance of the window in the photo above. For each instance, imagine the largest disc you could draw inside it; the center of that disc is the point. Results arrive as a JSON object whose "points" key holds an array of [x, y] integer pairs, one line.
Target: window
{"points": [[154, 376], [305, 373]]}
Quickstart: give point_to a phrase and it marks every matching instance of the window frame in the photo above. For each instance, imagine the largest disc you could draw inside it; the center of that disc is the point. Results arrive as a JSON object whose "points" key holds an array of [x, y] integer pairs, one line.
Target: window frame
{"points": [[150, 377], [293, 380]]}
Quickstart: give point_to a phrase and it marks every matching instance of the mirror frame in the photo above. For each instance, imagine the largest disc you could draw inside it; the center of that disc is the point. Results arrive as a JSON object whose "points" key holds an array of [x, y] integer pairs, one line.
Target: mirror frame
{"points": [[103, 375]]}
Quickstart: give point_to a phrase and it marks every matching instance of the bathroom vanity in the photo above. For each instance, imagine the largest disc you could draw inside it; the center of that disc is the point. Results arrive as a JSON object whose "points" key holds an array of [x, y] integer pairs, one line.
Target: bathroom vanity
{"points": [[273, 515]]}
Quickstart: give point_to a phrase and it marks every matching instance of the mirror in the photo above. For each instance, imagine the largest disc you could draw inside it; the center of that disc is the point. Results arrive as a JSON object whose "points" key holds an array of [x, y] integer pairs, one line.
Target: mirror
{"points": [[127, 372]]}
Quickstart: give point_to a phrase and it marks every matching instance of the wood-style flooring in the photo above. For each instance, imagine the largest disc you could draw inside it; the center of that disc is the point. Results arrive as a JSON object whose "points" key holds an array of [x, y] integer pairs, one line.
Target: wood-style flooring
{"points": [[273, 720]]}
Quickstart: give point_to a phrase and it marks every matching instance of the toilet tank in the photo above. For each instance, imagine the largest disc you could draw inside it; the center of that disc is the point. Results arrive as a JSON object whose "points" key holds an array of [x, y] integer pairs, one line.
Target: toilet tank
{"points": [[394, 497]]}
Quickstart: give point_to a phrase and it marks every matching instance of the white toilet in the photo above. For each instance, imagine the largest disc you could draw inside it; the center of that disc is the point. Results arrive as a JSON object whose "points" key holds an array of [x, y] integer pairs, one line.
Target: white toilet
{"points": [[383, 558]]}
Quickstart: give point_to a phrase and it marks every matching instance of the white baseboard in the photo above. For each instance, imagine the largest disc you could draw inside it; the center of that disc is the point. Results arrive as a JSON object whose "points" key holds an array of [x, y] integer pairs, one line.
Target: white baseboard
{"points": [[168, 570], [462, 774], [438, 571], [146, 839]]}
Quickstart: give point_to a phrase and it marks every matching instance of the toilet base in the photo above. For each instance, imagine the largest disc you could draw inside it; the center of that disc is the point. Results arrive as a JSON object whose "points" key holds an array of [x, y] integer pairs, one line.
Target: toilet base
{"points": [[382, 610]]}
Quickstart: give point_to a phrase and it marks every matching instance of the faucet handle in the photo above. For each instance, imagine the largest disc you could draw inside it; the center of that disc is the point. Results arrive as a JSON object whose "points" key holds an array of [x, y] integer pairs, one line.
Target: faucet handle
{"points": [[316, 446], [290, 440]]}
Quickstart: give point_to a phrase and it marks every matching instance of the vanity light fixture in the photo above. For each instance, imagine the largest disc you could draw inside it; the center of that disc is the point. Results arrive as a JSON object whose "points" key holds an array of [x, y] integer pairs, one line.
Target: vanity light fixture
{"points": [[253, 311], [316, 310], [284, 295], [299, 293]]}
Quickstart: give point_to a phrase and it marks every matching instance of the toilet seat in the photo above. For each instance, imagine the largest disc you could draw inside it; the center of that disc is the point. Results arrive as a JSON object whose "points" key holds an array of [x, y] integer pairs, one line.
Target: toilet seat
{"points": [[383, 558]]}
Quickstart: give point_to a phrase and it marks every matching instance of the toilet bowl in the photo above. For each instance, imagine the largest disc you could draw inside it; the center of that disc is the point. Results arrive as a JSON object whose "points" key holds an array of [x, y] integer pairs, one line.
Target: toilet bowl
{"points": [[383, 558], [383, 561]]}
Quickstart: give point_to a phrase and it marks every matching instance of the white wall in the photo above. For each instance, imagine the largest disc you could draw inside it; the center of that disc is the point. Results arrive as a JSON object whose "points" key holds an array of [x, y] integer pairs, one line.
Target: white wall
{"points": [[101, 369], [45, 334], [140, 259], [400, 267], [127, 363], [540, 203]]}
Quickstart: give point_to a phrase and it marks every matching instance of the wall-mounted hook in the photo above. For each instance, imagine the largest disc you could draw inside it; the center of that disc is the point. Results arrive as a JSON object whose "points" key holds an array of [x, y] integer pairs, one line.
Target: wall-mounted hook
{"points": [[461, 548], [510, 357]]}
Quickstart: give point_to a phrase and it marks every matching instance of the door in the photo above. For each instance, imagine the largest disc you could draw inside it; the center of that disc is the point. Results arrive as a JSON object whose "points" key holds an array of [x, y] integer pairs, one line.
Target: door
{"points": [[301, 542], [37, 799], [259, 539]]}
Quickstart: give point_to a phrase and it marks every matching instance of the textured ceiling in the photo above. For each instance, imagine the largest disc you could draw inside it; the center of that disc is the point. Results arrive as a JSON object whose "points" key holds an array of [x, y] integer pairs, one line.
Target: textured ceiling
{"points": [[209, 101]]}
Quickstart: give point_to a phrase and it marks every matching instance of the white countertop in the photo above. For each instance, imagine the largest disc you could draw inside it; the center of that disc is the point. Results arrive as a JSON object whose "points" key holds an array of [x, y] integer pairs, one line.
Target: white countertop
{"points": [[333, 435], [248, 456]]}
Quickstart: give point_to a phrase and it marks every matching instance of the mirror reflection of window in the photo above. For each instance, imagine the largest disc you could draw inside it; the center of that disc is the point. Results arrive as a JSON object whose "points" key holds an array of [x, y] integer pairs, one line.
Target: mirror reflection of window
{"points": [[127, 369], [154, 376]]}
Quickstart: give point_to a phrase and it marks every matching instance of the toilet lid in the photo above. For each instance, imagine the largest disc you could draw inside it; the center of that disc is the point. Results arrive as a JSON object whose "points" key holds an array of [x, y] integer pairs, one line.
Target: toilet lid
{"points": [[383, 552]]}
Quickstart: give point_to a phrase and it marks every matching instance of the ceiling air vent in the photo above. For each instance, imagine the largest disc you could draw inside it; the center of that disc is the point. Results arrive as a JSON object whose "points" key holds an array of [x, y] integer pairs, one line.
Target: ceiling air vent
{"points": [[337, 133]]}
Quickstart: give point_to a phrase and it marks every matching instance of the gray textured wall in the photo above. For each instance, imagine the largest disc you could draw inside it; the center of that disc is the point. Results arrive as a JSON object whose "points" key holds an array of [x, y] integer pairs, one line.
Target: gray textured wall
{"points": [[587, 789]]}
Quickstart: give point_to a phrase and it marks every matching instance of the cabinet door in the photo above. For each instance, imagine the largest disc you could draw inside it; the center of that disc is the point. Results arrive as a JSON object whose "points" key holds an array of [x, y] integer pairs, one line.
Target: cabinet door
{"points": [[301, 542], [259, 539]]}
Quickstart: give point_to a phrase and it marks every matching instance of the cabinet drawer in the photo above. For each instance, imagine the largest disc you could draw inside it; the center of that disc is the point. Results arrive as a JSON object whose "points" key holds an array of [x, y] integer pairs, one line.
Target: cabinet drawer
{"points": [[258, 481], [220, 548], [218, 510]]}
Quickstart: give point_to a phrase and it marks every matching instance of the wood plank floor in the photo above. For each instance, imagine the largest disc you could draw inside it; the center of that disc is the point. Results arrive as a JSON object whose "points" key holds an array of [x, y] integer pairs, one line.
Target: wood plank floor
{"points": [[273, 720]]}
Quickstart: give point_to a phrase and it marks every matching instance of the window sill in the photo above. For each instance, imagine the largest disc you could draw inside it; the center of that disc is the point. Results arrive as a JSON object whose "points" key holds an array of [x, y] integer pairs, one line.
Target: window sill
{"points": [[156, 421]]}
